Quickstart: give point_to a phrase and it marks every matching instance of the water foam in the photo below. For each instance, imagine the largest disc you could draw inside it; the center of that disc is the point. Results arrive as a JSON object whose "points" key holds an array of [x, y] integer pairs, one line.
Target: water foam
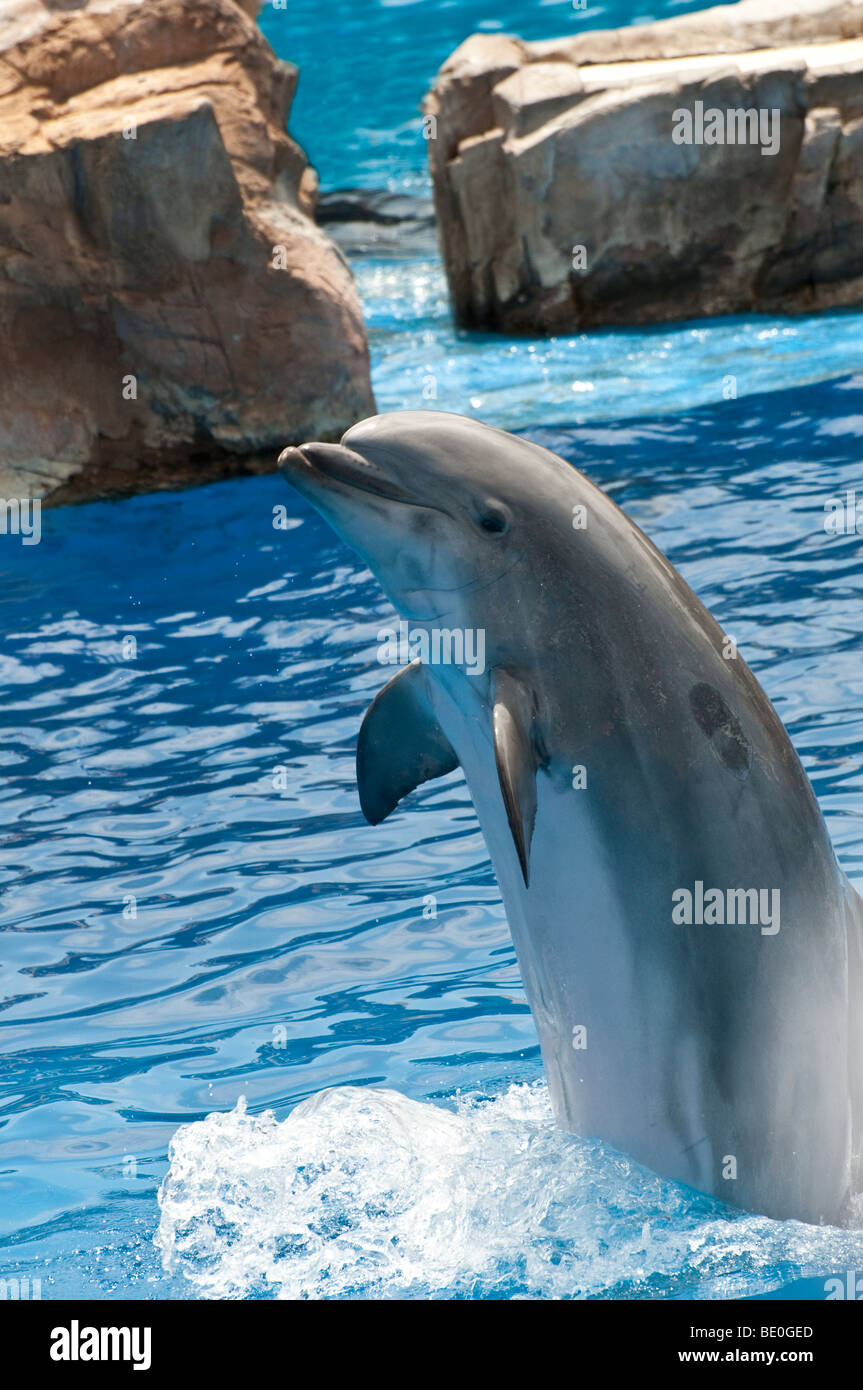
{"points": [[364, 1193]]}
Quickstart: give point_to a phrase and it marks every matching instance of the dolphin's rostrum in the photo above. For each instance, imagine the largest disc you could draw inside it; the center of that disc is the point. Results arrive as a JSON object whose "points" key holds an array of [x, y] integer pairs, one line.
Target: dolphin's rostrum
{"points": [[623, 761]]}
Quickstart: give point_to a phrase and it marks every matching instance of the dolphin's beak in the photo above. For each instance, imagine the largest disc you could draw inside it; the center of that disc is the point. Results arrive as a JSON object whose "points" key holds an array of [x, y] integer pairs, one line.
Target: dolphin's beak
{"points": [[327, 464]]}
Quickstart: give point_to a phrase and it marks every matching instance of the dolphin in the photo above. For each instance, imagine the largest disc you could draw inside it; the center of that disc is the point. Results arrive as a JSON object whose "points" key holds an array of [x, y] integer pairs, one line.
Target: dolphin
{"points": [[691, 951]]}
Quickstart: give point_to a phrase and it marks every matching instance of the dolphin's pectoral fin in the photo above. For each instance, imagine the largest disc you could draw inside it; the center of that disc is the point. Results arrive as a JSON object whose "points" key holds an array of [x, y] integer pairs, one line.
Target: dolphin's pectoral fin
{"points": [[517, 759], [400, 745]]}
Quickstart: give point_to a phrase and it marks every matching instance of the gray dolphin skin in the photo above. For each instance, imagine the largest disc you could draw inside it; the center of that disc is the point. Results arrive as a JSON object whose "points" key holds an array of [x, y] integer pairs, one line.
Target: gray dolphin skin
{"points": [[691, 951]]}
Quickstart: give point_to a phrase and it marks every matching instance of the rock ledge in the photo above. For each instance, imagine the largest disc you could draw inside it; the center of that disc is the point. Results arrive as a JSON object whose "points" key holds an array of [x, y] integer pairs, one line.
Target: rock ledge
{"points": [[564, 199], [169, 311]]}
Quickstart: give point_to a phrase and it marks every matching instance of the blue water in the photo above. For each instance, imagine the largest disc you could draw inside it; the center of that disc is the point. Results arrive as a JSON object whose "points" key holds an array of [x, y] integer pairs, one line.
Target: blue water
{"points": [[279, 945], [196, 922], [365, 66]]}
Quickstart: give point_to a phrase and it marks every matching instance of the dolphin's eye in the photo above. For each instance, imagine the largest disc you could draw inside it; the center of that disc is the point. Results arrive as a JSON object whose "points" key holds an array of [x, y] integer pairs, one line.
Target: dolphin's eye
{"points": [[494, 519]]}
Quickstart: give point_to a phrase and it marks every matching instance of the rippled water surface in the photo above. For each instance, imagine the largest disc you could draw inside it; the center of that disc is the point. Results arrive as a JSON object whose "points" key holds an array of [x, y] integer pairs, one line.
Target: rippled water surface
{"points": [[193, 910], [196, 922]]}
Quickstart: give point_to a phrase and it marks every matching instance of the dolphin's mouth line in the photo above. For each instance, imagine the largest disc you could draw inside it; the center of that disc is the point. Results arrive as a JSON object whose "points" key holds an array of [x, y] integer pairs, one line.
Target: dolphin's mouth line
{"points": [[334, 463]]}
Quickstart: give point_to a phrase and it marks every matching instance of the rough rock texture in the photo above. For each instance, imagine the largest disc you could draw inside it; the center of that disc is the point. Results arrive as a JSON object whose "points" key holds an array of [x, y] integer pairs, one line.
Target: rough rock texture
{"points": [[541, 148], [147, 336]]}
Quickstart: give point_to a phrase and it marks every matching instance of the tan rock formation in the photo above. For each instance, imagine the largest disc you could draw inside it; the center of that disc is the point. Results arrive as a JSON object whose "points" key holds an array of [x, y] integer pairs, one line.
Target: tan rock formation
{"points": [[566, 198], [169, 311]]}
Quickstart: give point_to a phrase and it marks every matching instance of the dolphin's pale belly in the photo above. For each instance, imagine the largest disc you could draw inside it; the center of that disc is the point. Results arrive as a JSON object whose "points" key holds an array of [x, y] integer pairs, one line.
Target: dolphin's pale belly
{"points": [[648, 1038], [609, 1019], [750, 1103]]}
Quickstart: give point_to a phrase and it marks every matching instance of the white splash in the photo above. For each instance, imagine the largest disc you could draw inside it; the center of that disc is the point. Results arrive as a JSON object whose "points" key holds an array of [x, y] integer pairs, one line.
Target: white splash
{"points": [[364, 1193]]}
